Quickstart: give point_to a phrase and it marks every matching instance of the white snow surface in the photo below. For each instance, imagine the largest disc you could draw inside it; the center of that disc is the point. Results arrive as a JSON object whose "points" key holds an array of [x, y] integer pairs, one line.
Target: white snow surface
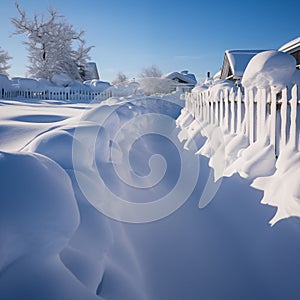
{"points": [[239, 60], [56, 245], [270, 69]]}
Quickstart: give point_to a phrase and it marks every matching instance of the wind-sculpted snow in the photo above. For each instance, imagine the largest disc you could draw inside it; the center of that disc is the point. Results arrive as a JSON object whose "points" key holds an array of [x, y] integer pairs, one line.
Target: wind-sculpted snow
{"points": [[231, 153], [60, 238], [34, 228], [141, 173]]}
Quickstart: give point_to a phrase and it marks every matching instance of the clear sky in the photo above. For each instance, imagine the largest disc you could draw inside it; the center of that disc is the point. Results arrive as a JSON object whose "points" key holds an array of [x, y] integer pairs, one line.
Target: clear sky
{"points": [[129, 35]]}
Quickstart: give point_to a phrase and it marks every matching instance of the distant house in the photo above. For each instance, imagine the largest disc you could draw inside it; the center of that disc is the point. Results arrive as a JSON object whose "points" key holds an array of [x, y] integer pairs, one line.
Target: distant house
{"points": [[235, 63], [89, 71], [292, 48], [184, 79]]}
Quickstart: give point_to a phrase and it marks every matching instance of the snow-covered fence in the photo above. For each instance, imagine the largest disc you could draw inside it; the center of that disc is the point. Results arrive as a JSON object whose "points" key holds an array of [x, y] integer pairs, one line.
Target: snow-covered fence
{"points": [[53, 93], [255, 113]]}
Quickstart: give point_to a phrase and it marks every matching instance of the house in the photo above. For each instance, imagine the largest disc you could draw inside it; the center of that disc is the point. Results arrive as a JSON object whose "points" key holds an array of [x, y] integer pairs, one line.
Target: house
{"points": [[184, 80], [292, 48], [89, 71], [235, 63]]}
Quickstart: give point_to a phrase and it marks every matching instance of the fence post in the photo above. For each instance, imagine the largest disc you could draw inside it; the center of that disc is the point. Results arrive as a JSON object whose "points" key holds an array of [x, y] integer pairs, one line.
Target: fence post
{"points": [[221, 109], [273, 121], [226, 98], [217, 111], [232, 111], [293, 128], [203, 115], [239, 111], [262, 131], [283, 116], [251, 116]]}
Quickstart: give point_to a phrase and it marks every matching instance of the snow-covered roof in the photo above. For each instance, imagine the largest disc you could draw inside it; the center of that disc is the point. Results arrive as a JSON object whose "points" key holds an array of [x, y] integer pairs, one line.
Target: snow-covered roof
{"points": [[291, 46], [183, 77], [91, 71], [235, 63]]}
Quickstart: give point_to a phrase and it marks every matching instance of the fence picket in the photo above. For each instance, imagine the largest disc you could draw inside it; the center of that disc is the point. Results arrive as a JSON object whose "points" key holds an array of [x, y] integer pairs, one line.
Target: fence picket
{"points": [[232, 111], [293, 126], [55, 93], [256, 115], [283, 117], [239, 111]]}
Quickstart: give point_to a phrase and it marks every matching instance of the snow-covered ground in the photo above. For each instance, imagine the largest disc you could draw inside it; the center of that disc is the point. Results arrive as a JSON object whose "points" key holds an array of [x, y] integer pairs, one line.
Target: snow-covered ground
{"points": [[60, 160]]}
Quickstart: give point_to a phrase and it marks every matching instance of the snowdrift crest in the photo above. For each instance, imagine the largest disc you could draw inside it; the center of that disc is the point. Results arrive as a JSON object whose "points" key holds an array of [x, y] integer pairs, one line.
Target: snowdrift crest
{"points": [[132, 146]]}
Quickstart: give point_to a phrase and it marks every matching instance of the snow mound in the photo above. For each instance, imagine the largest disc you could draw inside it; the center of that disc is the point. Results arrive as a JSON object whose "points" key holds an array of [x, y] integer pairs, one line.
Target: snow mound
{"points": [[282, 188], [38, 216], [220, 86], [24, 83], [200, 88], [35, 193], [228, 243], [155, 85], [61, 80], [125, 89], [98, 84], [5, 82], [269, 68]]}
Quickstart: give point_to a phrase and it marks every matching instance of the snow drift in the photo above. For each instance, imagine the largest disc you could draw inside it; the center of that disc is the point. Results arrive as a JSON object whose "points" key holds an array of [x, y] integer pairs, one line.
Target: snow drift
{"points": [[270, 69], [56, 245]]}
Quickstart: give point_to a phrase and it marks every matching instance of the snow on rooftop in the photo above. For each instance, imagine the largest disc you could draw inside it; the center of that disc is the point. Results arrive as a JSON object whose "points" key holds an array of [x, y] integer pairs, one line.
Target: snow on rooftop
{"points": [[239, 59], [295, 43], [189, 78]]}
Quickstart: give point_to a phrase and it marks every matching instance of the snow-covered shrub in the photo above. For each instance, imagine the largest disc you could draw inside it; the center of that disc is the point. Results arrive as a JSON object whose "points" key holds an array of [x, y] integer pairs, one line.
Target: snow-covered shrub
{"points": [[99, 85], [61, 79], [269, 69], [25, 83], [125, 89], [5, 83], [155, 85], [44, 83]]}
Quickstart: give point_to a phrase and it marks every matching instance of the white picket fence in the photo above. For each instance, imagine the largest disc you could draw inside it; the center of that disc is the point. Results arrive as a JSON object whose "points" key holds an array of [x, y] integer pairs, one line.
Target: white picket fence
{"points": [[64, 94], [255, 113]]}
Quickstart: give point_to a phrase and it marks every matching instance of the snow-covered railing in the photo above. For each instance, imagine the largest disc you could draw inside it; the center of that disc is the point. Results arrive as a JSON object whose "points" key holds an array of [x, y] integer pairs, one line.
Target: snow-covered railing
{"points": [[254, 113], [254, 133], [54, 93]]}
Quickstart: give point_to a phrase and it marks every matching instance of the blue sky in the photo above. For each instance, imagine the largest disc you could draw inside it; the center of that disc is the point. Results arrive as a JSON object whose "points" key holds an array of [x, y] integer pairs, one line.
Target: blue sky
{"points": [[174, 35]]}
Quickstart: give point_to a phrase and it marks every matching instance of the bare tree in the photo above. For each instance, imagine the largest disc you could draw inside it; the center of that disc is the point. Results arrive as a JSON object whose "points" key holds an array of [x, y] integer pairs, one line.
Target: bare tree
{"points": [[50, 43], [121, 77], [152, 71], [4, 58]]}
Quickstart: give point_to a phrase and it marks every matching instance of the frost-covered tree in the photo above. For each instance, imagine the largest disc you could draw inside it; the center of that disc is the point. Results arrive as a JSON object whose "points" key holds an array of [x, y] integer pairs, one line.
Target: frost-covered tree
{"points": [[121, 77], [152, 71], [4, 58], [54, 45]]}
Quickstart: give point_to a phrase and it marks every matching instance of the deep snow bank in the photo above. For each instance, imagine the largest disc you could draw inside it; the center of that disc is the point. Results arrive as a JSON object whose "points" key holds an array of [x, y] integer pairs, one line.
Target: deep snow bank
{"points": [[229, 149], [219, 252], [39, 215]]}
